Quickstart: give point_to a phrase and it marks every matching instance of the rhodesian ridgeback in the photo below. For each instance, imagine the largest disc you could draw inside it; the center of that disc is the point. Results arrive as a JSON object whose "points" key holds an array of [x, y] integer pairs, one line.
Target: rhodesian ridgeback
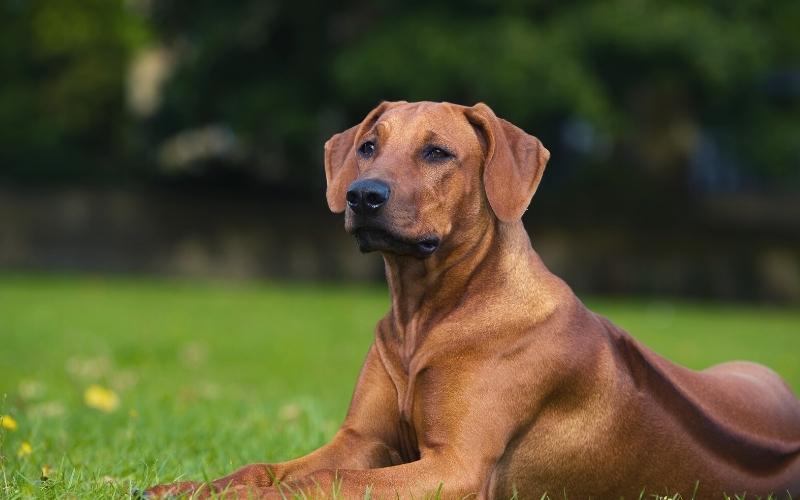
{"points": [[488, 378]]}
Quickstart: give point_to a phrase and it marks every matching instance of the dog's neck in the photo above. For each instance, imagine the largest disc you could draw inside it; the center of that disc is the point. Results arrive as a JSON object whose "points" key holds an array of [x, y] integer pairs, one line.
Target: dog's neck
{"points": [[489, 265]]}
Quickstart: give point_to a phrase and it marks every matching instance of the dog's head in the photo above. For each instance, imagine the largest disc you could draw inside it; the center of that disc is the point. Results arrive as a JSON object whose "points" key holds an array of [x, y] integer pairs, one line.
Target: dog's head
{"points": [[413, 175]]}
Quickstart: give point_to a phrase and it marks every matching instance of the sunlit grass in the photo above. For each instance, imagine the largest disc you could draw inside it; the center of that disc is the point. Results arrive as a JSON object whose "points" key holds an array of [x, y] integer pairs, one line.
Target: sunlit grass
{"points": [[120, 382]]}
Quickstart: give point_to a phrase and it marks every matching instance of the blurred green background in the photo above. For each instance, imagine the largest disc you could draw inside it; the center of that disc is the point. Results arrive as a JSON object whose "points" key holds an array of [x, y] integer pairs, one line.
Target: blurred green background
{"points": [[185, 138], [175, 298]]}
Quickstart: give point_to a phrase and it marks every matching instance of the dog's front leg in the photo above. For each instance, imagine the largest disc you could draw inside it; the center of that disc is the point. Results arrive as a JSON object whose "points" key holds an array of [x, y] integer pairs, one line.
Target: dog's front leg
{"points": [[366, 440], [346, 450], [443, 475]]}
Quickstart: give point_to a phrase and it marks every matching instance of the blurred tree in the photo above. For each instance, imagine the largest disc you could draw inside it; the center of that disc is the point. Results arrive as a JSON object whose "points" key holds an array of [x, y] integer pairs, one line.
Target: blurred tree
{"points": [[646, 79], [686, 94], [62, 87]]}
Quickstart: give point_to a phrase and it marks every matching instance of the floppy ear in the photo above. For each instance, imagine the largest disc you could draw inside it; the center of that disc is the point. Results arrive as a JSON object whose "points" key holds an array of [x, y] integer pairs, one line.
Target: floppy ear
{"points": [[341, 168], [514, 163]]}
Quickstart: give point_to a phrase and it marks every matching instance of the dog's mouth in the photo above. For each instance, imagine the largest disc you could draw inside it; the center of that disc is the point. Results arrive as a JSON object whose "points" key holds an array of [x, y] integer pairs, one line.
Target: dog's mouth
{"points": [[375, 239]]}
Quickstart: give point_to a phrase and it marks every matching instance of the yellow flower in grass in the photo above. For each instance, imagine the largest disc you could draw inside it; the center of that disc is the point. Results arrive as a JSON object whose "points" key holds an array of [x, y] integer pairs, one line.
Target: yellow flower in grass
{"points": [[6, 422], [101, 398], [47, 471], [25, 449]]}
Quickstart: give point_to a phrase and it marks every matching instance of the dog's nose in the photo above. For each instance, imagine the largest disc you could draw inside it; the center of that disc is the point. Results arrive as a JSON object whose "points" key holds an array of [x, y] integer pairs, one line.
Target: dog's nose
{"points": [[367, 196]]}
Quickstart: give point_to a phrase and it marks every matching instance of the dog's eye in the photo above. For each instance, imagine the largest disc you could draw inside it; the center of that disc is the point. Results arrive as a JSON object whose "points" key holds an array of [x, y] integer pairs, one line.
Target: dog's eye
{"points": [[367, 149], [434, 153]]}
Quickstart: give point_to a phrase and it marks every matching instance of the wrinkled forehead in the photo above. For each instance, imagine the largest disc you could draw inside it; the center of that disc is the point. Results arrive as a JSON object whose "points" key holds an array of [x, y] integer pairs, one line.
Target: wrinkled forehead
{"points": [[421, 122]]}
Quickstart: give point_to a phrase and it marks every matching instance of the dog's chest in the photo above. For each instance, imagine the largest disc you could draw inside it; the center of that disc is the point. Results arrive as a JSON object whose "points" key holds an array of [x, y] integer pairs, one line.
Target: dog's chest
{"points": [[409, 359], [409, 421], [404, 374]]}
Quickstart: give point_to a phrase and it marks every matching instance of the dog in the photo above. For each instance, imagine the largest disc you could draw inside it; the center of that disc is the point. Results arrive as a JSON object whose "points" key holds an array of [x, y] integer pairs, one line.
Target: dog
{"points": [[488, 378]]}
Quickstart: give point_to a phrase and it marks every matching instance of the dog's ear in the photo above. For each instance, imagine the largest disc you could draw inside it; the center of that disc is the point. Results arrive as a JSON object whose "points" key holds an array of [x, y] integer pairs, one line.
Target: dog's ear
{"points": [[514, 163], [341, 168]]}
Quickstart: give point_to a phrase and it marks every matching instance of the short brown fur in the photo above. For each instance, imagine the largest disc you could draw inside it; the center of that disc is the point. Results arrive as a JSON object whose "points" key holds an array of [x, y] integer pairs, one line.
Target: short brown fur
{"points": [[488, 376]]}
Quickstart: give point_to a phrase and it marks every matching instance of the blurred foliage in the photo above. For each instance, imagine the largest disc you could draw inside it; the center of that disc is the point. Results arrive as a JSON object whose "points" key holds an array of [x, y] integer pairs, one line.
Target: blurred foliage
{"points": [[621, 91], [61, 94]]}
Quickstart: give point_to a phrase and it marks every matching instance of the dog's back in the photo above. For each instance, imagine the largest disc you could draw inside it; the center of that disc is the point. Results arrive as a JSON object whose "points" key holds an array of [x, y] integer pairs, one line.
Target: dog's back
{"points": [[741, 418], [627, 420]]}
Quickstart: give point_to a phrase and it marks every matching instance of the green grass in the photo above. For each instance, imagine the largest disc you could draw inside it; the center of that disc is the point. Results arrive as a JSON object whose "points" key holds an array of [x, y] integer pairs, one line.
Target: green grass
{"points": [[212, 376]]}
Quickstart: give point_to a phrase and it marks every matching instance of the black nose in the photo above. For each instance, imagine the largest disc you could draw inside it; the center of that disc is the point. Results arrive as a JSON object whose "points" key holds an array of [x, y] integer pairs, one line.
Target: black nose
{"points": [[367, 196]]}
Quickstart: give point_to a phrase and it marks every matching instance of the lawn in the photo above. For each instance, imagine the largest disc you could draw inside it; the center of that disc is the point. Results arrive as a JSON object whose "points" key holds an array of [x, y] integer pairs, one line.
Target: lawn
{"points": [[116, 382]]}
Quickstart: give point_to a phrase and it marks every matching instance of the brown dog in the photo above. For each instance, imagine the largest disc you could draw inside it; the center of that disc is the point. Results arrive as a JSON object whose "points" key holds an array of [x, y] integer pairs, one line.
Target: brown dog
{"points": [[488, 377]]}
